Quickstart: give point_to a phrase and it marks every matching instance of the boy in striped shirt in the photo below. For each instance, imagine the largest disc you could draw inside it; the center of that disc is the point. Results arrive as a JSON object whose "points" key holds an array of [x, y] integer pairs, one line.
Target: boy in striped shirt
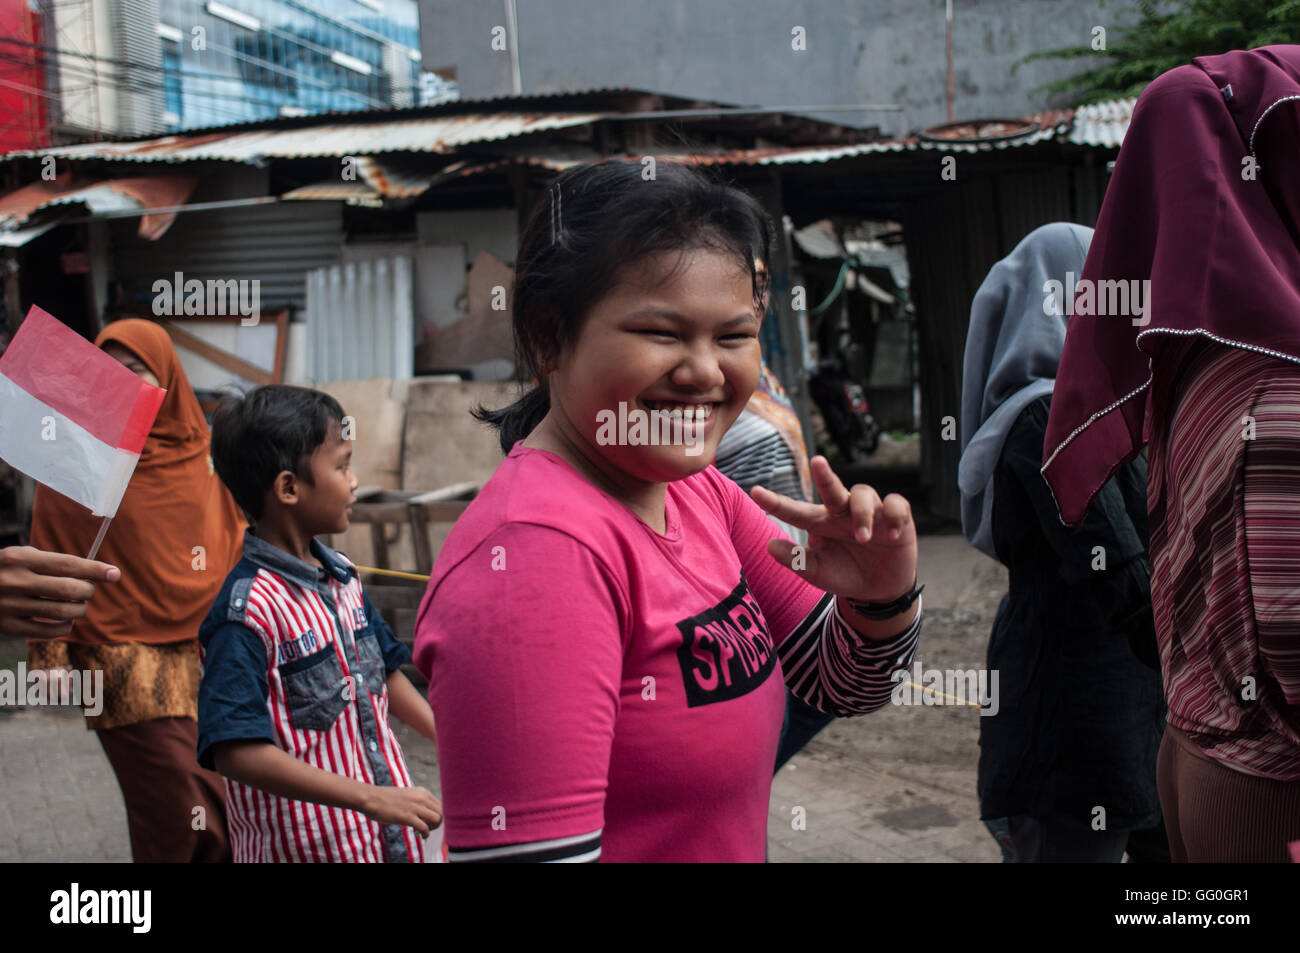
{"points": [[299, 670]]}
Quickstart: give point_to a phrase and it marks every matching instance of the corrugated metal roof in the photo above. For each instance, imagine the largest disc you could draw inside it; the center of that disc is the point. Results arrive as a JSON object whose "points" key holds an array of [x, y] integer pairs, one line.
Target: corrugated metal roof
{"points": [[17, 207], [549, 154], [275, 244], [21, 236], [392, 180], [436, 134], [98, 199], [1052, 125], [353, 193], [1102, 124], [139, 193]]}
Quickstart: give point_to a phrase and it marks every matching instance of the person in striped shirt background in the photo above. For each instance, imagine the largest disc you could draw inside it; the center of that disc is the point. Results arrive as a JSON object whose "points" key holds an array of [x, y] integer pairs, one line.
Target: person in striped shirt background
{"points": [[765, 447], [300, 672]]}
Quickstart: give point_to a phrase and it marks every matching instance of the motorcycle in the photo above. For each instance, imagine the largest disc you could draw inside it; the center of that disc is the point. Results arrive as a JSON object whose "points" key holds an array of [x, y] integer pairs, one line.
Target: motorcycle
{"points": [[843, 405]]}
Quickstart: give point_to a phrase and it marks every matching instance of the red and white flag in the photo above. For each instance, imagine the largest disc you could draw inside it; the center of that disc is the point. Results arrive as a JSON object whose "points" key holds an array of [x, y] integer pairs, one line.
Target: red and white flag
{"points": [[71, 417]]}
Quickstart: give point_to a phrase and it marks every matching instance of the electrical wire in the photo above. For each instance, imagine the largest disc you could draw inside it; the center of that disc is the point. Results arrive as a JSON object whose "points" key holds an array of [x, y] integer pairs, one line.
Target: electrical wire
{"points": [[185, 83], [52, 56], [135, 84], [323, 51], [139, 84]]}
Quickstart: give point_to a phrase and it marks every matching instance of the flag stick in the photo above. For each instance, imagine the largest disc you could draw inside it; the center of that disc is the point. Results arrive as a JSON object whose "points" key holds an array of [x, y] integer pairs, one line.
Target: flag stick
{"points": [[99, 538]]}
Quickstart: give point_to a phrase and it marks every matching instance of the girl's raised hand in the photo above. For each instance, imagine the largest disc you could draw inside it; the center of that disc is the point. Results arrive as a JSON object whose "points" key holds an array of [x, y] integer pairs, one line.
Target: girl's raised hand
{"points": [[859, 546]]}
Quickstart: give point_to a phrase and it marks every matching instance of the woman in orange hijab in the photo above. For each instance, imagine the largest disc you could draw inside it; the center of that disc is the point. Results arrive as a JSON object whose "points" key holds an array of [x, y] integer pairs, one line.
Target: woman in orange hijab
{"points": [[175, 536]]}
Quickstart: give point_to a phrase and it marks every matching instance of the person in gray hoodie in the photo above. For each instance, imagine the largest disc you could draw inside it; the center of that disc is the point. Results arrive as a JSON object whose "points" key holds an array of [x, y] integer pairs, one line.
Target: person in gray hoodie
{"points": [[1067, 768]]}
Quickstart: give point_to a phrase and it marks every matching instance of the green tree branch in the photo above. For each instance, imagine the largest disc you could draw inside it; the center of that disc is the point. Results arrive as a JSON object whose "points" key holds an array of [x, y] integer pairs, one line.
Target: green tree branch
{"points": [[1168, 34]]}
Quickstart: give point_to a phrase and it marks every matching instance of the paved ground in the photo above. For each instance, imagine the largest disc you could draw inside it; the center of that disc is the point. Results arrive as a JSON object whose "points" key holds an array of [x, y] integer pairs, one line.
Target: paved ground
{"points": [[897, 785], [59, 800]]}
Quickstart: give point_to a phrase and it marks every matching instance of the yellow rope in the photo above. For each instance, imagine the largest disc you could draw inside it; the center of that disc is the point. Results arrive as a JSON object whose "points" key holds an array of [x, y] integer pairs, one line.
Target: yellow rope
{"points": [[960, 701], [393, 572]]}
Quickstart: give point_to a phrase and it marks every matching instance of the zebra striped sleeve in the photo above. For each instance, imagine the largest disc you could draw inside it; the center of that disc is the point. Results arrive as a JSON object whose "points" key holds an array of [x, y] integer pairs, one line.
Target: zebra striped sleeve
{"points": [[581, 849], [829, 666]]}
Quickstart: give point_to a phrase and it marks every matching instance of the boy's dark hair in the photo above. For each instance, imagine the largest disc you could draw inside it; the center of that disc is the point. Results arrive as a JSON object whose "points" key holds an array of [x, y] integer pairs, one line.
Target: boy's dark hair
{"points": [[266, 431], [593, 222]]}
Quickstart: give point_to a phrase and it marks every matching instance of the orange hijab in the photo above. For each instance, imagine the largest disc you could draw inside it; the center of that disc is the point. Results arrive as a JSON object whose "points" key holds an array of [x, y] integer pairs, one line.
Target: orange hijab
{"points": [[173, 504]]}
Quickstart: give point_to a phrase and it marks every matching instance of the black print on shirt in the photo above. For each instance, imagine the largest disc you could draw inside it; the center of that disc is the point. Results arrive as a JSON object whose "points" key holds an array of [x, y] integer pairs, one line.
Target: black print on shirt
{"points": [[726, 651]]}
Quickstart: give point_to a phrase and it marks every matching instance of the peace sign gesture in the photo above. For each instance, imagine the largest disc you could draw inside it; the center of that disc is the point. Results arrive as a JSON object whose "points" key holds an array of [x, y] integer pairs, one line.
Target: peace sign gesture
{"points": [[859, 546]]}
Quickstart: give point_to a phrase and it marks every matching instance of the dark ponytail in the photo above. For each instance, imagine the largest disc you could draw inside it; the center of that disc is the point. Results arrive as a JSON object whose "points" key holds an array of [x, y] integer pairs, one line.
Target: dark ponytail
{"points": [[516, 421], [593, 222]]}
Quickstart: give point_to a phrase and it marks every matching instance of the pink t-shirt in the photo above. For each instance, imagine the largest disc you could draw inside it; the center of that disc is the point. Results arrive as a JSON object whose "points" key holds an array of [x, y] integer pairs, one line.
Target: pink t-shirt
{"points": [[588, 674]]}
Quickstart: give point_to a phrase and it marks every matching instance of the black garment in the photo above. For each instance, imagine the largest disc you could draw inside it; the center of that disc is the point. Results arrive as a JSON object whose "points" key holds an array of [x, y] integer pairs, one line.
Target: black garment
{"points": [[1057, 840], [1080, 716], [1064, 842]]}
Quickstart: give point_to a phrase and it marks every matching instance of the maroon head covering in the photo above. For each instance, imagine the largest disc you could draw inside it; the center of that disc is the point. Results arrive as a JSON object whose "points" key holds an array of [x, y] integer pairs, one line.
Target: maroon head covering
{"points": [[1205, 204]]}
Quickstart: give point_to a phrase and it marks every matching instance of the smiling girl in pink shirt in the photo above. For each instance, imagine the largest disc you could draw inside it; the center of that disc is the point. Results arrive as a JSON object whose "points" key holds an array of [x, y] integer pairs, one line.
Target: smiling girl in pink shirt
{"points": [[611, 624]]}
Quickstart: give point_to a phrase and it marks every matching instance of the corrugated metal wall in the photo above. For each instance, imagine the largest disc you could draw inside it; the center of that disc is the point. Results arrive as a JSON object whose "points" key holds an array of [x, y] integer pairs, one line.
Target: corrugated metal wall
{"points": [[953, 239], [275, 244], [361, 320]]}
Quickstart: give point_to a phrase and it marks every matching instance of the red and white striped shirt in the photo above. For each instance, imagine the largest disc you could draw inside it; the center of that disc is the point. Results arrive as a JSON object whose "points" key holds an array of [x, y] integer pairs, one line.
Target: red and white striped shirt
{"points": [[1223, 490], [297, 656]]}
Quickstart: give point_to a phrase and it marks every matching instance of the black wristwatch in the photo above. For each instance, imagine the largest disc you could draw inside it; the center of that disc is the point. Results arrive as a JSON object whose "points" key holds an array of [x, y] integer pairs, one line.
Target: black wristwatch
{"points": [[880, 611]]}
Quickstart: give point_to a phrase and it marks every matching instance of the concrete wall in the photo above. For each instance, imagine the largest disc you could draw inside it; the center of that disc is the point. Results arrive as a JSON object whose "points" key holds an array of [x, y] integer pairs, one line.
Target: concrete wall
{"points": [[495, 230], [739, 51], [449, 242]]}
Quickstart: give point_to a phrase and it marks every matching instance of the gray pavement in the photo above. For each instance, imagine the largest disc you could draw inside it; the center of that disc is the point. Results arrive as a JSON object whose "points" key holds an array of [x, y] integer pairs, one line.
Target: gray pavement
{"points": [[894, 786], [59, 800], [898, 785]]}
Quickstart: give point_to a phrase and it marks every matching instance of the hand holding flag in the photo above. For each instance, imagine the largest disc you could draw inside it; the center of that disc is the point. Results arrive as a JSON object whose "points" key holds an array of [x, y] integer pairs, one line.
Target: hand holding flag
{"points": [[71, 417], [42, 594]]}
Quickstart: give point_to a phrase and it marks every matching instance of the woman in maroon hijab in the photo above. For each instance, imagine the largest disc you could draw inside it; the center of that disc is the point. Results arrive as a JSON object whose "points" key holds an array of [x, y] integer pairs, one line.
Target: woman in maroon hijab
{"points": [[1205, 206]]}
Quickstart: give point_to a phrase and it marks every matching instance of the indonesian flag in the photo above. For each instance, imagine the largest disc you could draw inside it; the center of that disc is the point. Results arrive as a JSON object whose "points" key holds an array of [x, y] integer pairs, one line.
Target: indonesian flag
{"points": [[71, 417]]}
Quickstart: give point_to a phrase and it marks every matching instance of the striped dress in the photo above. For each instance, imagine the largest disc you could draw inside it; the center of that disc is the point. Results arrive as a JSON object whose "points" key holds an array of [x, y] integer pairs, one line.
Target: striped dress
{"points": [[1223, 491]]}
